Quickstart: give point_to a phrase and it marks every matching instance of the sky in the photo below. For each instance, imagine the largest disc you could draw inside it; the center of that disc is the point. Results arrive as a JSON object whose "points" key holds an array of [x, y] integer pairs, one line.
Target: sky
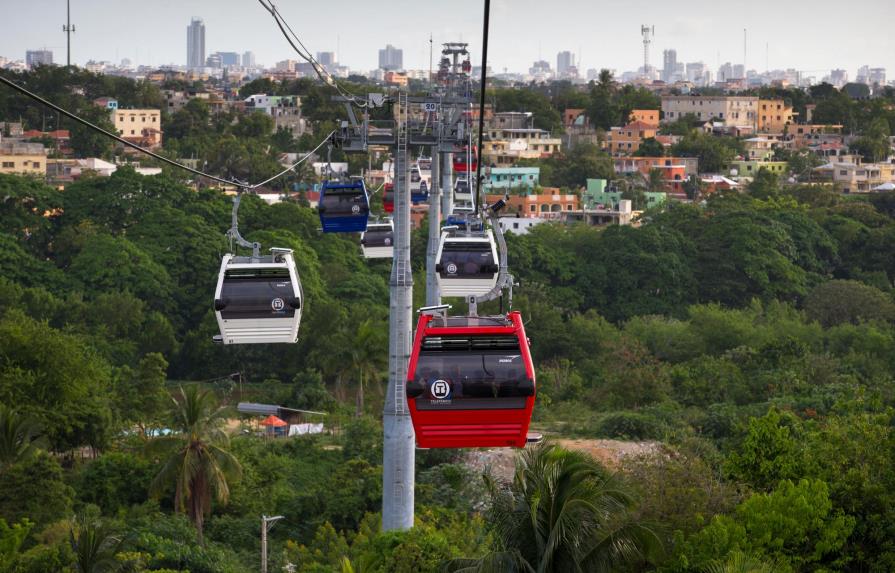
{"points": [[803, 34]]}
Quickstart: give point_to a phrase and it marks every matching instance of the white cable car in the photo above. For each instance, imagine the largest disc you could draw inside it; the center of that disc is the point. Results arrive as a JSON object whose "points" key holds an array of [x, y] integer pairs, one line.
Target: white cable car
{"points": [[462, 191], [258, 301], [467, 264], [378, 242]]}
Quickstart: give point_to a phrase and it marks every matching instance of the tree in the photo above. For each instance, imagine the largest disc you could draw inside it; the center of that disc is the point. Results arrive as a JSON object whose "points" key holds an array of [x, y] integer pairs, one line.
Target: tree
{"points": [[142, 397], [366, 356], [18, 437], [845, 301], [86, 142], [650, 147], [562, 512], [874, 145], [94, 544], [765, 185], [35, 489], [738, 562], [197, 460]]}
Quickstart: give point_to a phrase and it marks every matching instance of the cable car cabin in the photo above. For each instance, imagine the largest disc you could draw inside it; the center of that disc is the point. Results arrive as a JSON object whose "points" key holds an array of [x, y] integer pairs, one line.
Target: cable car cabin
{"points": [[344, 206], [460, 165], [462, 192], [377, 242], [388, 197], [260, 301], [419, 189], [471, 382], [466, 264]]}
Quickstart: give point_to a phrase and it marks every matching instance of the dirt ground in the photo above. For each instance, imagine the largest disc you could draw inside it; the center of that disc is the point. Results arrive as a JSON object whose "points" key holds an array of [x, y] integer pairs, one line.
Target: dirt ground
{"points": [[610, 452]]}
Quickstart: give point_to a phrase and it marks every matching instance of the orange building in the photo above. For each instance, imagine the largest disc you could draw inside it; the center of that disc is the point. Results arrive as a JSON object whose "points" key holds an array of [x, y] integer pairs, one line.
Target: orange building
{"points": [[548, 204], [650, 116], [626, 140]]}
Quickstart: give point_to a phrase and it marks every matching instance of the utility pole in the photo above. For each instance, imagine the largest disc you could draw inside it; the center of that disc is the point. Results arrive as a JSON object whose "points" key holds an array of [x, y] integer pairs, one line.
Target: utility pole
{"points": [[68, 28], [399, 455], [266, 525]]}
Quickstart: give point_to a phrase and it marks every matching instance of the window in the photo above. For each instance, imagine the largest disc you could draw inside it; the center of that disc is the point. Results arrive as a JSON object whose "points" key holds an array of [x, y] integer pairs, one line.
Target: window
{"points": [[568, 207], [9, 164], [132, 132], [544, 208], [36, 164], [515, 225], [133, 118], [533, 209]]}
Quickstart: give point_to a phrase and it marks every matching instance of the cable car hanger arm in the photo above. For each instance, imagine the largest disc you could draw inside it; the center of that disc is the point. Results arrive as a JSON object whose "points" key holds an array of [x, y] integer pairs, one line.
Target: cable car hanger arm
{"points": [[504, 278]]}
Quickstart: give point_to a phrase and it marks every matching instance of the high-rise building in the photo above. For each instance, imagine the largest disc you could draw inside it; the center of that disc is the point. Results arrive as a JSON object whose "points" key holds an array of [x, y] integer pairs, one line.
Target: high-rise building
{"points": [[669, 65], [838, 78], [696, 72], [248, 59], [39, 58], [391, 58], [877, 77], [327, 60], [540, 68], [195, 44], [214, 61], [564, 62], [229, 59]]}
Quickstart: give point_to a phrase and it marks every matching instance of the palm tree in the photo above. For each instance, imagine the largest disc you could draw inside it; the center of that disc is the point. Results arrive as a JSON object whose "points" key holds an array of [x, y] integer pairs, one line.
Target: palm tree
{"points": [[95, 545], [196, 457], [562, 512], [366, 356], [737, 562], [18, 436]]}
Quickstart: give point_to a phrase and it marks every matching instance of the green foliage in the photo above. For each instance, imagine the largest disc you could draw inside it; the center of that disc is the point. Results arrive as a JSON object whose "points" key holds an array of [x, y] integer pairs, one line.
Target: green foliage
{"points": [[842, 301], [769, 452], [34, 489], [115, 481]]}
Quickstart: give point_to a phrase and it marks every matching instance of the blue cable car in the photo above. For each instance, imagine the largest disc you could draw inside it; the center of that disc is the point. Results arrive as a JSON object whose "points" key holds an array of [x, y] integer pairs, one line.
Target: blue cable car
{"points": [[344, 206], [419, 187]]}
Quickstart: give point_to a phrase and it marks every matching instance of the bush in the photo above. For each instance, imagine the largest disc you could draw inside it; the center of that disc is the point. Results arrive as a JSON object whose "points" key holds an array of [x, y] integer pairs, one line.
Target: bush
{"points": [[631, 426]]}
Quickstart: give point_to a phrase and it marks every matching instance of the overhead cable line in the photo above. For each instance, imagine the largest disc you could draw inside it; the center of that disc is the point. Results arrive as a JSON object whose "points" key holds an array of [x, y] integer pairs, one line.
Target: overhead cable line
{"points": [[152, 154], [306, 55], [478, 167]]}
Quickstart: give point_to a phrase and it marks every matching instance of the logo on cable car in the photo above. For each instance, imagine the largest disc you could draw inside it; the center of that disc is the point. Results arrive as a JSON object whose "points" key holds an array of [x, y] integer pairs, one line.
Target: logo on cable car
{"points": [[278, 304], [509, 359], [388, 242], [355, 209], [451, 268], [440, 390]]}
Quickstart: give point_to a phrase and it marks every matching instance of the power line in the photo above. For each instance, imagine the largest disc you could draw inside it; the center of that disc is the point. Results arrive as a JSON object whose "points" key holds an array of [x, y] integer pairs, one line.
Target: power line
{"points": [[319, 69], [152, 154]]}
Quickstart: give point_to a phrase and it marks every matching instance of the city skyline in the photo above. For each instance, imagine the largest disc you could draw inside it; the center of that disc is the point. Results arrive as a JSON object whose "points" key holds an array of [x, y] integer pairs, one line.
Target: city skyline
{"points": [[616, 45]]}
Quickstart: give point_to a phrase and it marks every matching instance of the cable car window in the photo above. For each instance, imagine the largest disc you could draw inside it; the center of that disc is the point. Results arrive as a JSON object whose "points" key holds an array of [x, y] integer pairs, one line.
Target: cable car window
{"points": [[415, 176], [257, 293], [378, 238], [471, 373], [465, 259], [342, 202]]}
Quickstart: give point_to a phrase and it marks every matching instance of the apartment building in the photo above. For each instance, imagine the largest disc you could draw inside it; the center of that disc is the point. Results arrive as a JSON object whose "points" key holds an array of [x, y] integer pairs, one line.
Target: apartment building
{"points": [[513, 178], [730, 111], [774, 115], [285, 111], [858, 177], [626, 140], [506, 146], [748, 168], [548, 204], [140, 126], [23, 158], [650, 116]]}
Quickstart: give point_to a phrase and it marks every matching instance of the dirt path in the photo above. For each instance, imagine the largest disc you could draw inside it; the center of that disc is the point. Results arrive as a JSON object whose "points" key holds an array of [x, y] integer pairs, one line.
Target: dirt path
{"points": [[501, 462]]}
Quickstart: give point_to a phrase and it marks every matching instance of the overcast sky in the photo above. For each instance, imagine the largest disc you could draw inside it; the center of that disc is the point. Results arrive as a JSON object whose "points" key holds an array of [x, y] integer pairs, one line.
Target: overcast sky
{"points": [[801, 34]]}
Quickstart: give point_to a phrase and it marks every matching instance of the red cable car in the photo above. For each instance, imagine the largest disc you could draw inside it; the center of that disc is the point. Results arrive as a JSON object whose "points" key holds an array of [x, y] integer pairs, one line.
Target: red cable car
{"points": [[471, 382], [460, 160], [388, 198]]}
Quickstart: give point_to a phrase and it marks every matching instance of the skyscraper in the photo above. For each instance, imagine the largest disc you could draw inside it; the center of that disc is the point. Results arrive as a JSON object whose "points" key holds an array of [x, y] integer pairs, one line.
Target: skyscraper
{"points": [[39, 58], [564, 61], [669, 65], [327, 60], [248, 59], [195, 44], [391, 58]]}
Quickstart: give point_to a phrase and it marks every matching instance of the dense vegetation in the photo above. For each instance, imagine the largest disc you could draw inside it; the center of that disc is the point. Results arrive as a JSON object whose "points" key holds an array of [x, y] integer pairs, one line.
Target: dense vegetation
{"points": [[751, 337]]}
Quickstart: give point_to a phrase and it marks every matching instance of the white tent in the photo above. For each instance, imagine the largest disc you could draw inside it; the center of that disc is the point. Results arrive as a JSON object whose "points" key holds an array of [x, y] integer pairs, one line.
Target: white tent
{"points": [[885, 187]]}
